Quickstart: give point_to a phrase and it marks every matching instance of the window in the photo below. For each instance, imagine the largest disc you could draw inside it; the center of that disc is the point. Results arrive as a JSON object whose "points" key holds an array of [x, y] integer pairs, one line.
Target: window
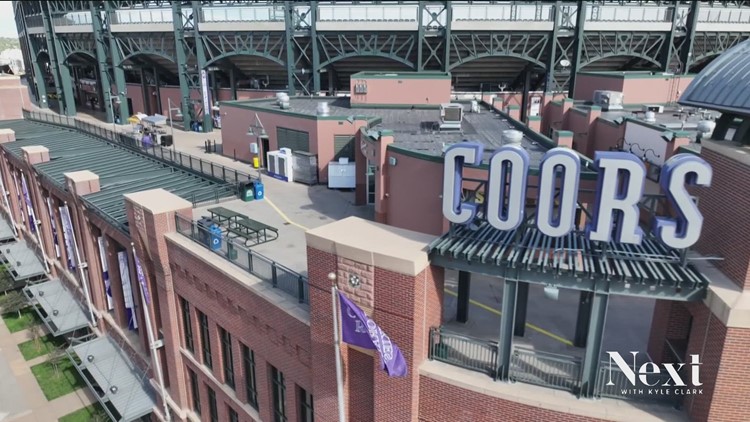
{"points": [[226, 356], [233, 416], [293, 139], [195, 392], [187, 325], [305, 405], [343, 146], [205, 340], [248, 363], [214, 412], [277, 380]]}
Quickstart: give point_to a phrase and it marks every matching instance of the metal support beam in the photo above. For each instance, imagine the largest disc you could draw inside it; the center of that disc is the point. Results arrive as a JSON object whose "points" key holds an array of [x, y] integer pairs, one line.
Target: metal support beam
{"points": [[505, 345], [522, 303], [232, 84], [686, 53], [666, 52], [289, 45], [578, 42], [582, 322], [182, 70], [316, 70], [549, 81], [144, 92], [39, 79], [447, 36], [52, 56], [592, 356], [420, 36], [118, 72], [200, 57], [463, 297], [526, 90], [99, 24], [157, 89]]}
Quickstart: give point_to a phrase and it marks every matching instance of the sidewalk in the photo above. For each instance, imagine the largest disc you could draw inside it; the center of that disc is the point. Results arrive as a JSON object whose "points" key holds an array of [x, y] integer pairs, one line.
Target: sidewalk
{"points": [[21, 399]]}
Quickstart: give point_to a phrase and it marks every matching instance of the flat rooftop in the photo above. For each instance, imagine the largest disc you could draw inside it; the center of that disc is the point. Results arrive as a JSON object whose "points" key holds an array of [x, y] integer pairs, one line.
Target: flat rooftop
{"points": [[674, 118], [120, 170], [414, 129]]}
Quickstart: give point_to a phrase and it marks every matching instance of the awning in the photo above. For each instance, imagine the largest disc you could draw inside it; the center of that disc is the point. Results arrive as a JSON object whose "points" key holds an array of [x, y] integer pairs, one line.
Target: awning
{"points": [[6, 231], [122, 389], [62, 312], [23, 262], [156, 119]]}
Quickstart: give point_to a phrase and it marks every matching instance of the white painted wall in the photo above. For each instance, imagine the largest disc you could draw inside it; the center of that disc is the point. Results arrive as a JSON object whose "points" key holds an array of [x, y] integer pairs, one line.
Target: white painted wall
{"points": [[646, 138]]}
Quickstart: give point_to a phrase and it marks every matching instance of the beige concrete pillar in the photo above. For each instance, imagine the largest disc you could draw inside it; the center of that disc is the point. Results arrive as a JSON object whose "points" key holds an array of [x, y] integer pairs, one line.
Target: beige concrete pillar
{"points": [[563, 138]]}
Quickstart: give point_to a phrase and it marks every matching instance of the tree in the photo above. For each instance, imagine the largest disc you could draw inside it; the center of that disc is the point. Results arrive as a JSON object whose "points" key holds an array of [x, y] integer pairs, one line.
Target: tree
{"points": [[6, 282], [57, 357], [13, 302], [37, 334]]}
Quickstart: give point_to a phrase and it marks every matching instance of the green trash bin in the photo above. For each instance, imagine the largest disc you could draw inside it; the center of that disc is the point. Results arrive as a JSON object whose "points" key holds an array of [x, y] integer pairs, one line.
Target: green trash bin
{"points": [[247, 193]]}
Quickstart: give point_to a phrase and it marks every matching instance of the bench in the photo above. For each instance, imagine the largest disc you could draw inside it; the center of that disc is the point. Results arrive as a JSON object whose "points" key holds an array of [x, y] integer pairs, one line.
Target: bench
{"points": [[248, 229], [221, 215]]}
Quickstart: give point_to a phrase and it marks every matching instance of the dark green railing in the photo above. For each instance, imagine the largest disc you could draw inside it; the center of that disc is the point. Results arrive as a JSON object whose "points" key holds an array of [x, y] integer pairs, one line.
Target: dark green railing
{"points": [[262, 267]]}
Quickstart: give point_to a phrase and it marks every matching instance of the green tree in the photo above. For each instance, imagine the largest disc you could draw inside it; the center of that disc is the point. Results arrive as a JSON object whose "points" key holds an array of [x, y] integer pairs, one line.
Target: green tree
{"points": [[13, 302], [6, 281]]}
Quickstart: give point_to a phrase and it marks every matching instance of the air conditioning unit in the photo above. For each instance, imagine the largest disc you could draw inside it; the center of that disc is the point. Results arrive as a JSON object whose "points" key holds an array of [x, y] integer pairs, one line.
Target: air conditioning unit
{"points": [[451, 116], [608, 100], [654, 108]]}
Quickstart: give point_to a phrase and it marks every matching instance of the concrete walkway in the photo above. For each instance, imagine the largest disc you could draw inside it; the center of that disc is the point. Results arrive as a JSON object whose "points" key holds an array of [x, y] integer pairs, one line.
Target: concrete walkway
{"points": [[21, 399]]}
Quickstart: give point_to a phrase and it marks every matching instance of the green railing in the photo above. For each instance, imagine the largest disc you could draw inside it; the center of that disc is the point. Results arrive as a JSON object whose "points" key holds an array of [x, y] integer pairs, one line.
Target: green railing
{"points": [[166, 155], [236, 252], [465, 352], [545, 369]]}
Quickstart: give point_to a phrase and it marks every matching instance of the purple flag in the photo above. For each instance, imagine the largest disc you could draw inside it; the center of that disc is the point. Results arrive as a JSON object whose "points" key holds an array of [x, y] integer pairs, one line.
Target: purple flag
{"points": [[141, 278], [359, 330]]}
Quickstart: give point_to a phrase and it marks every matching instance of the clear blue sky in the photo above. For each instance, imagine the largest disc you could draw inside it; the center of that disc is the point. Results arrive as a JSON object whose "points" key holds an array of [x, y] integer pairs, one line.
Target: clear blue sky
{"points": [[7, 20]]}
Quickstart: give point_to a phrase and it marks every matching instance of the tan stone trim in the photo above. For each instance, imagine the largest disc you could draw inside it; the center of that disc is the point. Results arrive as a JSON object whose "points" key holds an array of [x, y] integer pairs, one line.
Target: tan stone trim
{"points": [[157, 201], [727, 301]]}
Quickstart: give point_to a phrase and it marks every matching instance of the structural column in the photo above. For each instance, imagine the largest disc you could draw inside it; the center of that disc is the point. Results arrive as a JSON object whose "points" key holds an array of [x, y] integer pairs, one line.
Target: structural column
{"points": [[118, 73], [157, 91], [463, 298], [144, 93], [98, 22], [550, 83], [582, 322], [505, 345], [52, 55], [200, 57], [577, 46], [522, 303], [182, 70], [592, 356], [686, 51]]}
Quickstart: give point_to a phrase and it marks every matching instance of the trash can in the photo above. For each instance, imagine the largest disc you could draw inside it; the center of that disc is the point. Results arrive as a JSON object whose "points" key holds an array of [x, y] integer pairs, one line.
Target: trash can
{"points": [[247, 192], [259, 189], [204, 228], [256, 162], [214, 235]]}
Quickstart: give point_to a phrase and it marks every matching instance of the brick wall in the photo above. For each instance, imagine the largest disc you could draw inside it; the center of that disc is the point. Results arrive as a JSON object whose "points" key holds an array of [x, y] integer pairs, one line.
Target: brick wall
{"points": [[441, 402], [277, 338], [726, 228]]}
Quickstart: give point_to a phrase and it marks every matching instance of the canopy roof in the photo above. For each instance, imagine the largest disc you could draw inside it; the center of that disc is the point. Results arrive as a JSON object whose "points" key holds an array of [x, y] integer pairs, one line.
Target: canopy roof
{"points": [[62, 312]]}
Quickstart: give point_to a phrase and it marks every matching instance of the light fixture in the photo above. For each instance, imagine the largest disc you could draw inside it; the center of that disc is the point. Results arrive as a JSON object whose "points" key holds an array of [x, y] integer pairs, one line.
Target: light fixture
{"points": [[392, 161], [113, 389], [250, 131], [55, 312], [354, 280], [90, 358], [551, 292], [41, 293]]}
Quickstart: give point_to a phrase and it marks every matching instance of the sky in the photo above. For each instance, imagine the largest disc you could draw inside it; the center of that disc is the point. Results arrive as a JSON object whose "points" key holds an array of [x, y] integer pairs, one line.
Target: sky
{"points": [[7, 20]]}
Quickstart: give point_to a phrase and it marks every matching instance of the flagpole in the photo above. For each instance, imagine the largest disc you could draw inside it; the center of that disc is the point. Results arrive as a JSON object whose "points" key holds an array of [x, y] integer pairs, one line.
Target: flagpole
{"points": [[337, 346]]}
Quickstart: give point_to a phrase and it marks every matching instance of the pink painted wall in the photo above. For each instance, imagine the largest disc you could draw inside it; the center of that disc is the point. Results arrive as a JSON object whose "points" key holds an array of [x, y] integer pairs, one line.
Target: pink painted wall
{"points": [[587, 84], [402, 91], [606, 135], [644, 90], [236, 120]]}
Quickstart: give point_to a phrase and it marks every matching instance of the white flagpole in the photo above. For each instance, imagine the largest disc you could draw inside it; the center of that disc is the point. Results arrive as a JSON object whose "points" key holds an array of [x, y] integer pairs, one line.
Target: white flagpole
{"points": [[337, 346], [153, 347], [80, 265]]}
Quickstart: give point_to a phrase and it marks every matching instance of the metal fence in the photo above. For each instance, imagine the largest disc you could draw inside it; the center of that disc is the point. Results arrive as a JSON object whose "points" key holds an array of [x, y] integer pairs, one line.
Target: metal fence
{"points": [[166, 155], [612, 382], [236, 252], [465, 352], [546, 369]]}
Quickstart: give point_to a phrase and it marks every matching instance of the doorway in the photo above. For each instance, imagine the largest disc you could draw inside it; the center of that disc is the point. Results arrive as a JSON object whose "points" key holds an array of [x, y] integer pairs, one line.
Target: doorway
{"points": [[263, 151], [370, 184]]}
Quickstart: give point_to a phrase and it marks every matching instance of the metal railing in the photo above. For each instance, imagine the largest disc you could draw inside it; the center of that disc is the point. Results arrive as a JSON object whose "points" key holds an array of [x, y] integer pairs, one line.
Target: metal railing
{"points": [[236, 252], [166, 155], [612, 382], [546, 369], [465, 352]]}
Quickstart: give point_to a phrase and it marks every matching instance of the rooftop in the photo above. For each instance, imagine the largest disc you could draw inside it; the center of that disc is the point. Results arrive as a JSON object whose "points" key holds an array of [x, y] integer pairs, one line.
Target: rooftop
{"points": [[120, 170], [414, 129]]}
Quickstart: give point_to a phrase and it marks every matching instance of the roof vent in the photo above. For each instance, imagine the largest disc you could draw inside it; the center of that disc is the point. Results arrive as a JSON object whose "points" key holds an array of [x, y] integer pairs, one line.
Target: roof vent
{"points": [[650, 117], [280, 96], [706, 126], [512, 136], [323, 109]]}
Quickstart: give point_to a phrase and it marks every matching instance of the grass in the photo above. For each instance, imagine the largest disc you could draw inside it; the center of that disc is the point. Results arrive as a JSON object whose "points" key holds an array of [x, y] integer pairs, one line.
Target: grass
{"points": [[88, 413], [57, 385], [47, 343], [27, 319]]}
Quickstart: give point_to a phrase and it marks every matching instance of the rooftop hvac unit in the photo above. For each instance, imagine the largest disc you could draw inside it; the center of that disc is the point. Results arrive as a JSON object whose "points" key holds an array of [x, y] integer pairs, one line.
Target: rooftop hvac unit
{"points": [[706, 126], [323, 109], [451, 116], [280, 165], [608, 100], [653, 107], [280, 97], [650, 117], [512, 136]]}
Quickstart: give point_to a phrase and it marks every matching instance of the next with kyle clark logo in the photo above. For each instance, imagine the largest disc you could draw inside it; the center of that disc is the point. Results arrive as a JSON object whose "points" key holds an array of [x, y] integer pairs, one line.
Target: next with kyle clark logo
{"points": [[669, 379]]}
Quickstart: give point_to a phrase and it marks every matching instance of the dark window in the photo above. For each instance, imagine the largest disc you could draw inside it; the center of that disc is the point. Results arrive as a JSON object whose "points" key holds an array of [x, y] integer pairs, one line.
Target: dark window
{"points": [[248, 363], [305, 405], [233, 416], [187, 325], [343, 146], [293, 139], [205, 340], [227, 357], [195, 392], [277, 385], [212, 409]]}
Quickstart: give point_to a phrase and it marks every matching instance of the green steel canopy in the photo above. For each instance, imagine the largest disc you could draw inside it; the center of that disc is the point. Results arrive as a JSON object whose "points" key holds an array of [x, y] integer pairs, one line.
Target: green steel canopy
{"points": [[120, 170], [574, 262]]}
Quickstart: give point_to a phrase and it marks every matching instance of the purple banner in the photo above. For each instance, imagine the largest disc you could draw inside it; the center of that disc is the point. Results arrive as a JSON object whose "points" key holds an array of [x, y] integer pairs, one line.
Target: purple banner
{"points": [[141, 279], [29, 207], [359, 330]]}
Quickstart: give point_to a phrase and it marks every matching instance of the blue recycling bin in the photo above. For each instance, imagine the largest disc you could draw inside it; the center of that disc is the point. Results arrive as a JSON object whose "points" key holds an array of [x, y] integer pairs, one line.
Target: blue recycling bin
{"points": [[214, 237], [259, 189]]}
